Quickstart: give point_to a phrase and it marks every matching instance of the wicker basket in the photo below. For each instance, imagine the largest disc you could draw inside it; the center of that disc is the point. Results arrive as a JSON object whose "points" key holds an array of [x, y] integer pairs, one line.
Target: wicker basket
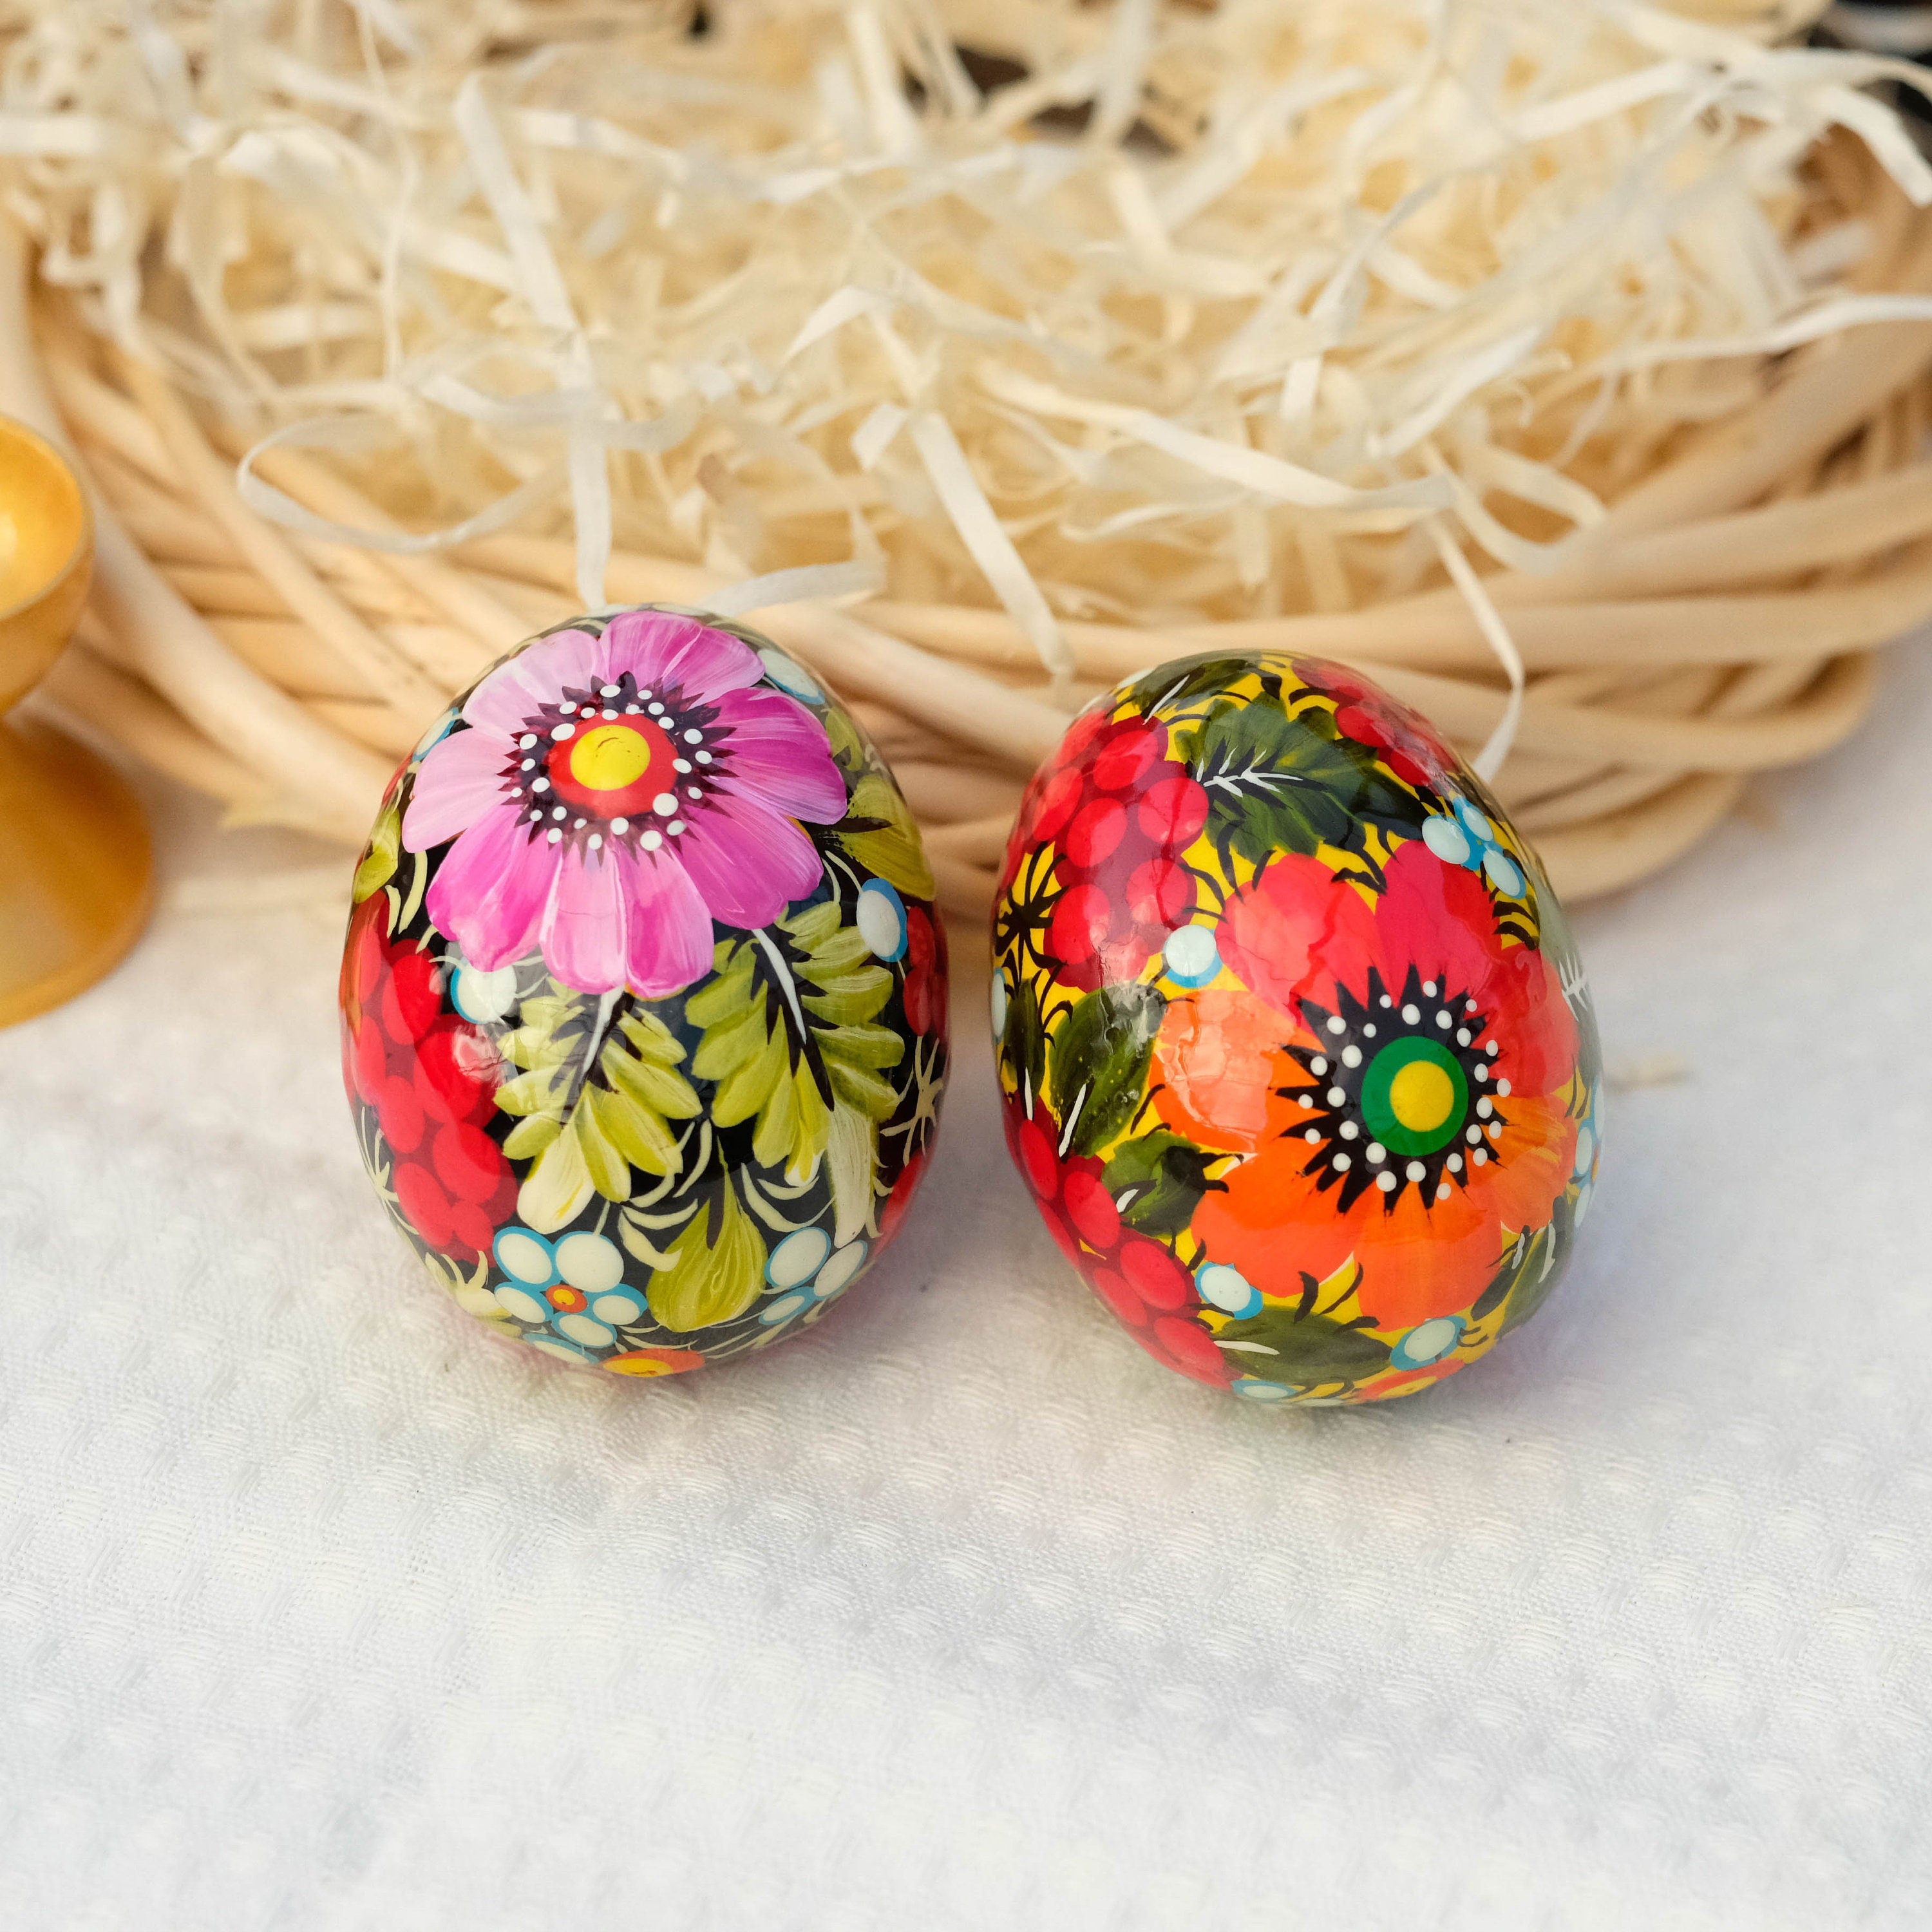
{"points": [[1723, 621]]}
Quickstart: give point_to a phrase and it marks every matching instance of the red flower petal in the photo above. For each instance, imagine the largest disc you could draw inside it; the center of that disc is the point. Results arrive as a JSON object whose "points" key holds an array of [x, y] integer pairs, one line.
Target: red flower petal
{"points": [[1438, 918], [1295, 931], [1357, 721]]}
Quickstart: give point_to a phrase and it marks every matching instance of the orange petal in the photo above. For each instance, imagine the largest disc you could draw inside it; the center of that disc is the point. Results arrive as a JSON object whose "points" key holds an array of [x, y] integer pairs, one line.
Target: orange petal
{"points": [[1273, 1224], [1419, 1261], [1221, 1059], [1534, 1155]]}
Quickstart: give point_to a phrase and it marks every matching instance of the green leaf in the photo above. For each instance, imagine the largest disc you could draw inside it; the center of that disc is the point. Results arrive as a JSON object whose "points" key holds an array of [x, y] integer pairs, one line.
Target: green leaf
{"points": [[610, 1172], [879, 831], [529, 1138], [1161, 1178], [1307, 1350], [1097, 1064], [527, 1093], [644, 1091], [790, 1035], [1172, 687], [592, 1106], [717, 1267], [1023, 1045], [1534, 1269], [384, 852], [848, 748], [1276, 784]]}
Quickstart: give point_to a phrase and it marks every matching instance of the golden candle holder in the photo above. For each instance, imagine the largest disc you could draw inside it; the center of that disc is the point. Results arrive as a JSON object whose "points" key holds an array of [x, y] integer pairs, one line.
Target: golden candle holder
{"points": [[77, 867]]}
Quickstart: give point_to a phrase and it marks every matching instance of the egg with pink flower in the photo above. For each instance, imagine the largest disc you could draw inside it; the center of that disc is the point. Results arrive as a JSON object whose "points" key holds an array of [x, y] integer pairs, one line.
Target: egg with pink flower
{"points": [[643, 997]]}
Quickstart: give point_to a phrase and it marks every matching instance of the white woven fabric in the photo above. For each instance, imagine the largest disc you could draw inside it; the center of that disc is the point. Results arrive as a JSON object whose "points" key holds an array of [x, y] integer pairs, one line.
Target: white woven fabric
{"points": [[320, 1608]]}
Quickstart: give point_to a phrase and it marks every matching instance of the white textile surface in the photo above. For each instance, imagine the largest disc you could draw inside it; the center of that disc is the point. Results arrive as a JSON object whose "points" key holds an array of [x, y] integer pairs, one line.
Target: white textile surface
{"points": [[321, 1609]]}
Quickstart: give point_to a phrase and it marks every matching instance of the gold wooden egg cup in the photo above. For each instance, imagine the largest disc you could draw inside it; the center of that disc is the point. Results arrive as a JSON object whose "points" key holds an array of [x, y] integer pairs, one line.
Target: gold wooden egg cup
{"points": [[77, 867]]}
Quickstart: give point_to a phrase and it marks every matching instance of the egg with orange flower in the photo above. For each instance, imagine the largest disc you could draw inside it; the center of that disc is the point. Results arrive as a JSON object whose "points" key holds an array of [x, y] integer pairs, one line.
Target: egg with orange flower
{"points": [[1297, 1055]]}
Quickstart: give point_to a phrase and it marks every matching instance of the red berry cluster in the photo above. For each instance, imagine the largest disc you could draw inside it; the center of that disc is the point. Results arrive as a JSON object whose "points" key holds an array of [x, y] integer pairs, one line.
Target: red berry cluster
{"points": [[925, 974], [1367, 716], [431, 1078], [1120, 812], [1138, 1278]]}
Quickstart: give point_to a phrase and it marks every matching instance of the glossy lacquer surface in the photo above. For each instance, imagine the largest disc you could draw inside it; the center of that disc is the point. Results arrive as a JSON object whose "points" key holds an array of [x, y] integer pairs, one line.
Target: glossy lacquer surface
{"points": [[1297, 1054], [643, 1000]]}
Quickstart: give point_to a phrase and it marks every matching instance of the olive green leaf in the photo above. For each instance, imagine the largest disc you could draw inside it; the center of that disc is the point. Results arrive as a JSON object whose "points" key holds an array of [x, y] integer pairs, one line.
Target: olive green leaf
{"points": [[386, 845], [878, 831], [1553, 935], [593, 1103], [1023, 1045], [1304, 1351], [1097, 1063], [1171, 687], [1529, 1272], [1277, 784], [848, 748], [789, 1034], [717, 1267], [1158, 1180]]}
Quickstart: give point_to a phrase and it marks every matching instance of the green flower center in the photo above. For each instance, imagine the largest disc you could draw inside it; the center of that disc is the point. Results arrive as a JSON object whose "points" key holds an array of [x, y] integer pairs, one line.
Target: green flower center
{"points": [[1414, 1096]]}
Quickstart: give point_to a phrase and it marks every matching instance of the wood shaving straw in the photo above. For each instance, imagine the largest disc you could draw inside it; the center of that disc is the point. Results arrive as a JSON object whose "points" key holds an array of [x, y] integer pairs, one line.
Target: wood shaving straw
{"points": [[1562, 361]]}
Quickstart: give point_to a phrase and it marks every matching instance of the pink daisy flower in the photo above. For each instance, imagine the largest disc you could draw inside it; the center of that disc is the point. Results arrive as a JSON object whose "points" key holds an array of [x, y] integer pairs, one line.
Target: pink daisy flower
{"points": [[613, 795]]}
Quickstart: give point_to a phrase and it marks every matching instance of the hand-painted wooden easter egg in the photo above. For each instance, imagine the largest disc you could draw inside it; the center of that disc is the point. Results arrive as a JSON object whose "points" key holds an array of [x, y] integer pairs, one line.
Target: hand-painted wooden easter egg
{"points": [[1295, 1049], [644, 1002]]}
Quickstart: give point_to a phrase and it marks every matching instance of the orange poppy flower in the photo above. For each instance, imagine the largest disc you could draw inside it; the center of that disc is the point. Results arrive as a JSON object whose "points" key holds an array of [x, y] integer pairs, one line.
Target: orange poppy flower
{"points": [[1398, 1084]]}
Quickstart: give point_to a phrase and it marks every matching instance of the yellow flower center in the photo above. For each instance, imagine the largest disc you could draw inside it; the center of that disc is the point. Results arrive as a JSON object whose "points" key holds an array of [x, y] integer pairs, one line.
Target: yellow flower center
{"points": [[608, 758], [1422, 1096]]}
